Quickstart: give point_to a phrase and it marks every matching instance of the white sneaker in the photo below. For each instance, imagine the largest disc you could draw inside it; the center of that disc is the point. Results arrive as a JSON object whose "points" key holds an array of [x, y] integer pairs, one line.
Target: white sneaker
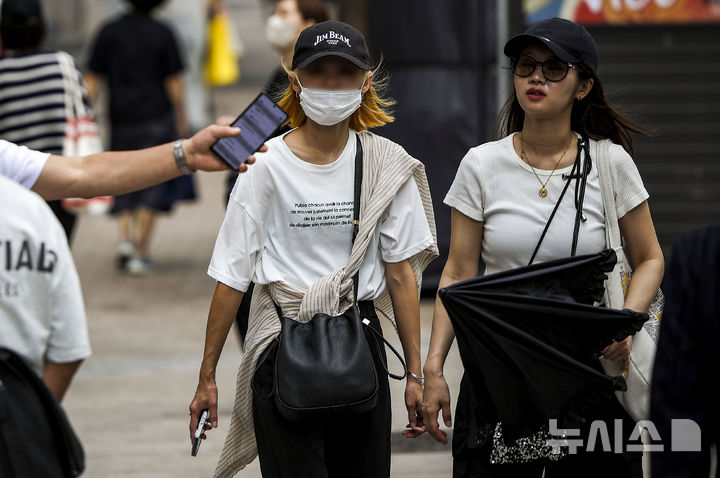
{"points": [[138, 265], [123, 252]]}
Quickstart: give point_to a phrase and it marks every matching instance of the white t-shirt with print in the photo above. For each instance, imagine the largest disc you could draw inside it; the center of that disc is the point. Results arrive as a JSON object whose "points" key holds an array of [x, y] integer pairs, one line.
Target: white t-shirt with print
{"points": [[21, 164], [42, 314], [494, 185], [289, 220]]}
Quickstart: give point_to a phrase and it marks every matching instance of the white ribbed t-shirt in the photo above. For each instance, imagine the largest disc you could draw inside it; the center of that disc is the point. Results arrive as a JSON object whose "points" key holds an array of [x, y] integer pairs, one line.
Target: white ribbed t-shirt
{"points": [[495, 186]]}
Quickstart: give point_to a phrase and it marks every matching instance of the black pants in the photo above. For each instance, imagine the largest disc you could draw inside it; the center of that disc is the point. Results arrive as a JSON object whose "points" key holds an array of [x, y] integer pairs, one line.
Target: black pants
{"points": [[67, 219], [356, 446], [471, 454]]}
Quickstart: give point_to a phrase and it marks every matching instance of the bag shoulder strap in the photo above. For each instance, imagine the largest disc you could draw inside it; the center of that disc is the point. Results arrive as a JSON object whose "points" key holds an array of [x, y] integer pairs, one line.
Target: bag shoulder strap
{"points": [[356, 207], [607, 189], [356, 213], [614, 294]]}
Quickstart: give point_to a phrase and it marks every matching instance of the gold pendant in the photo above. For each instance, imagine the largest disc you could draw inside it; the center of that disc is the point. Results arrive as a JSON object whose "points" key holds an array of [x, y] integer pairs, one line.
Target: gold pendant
{"points": [[543, 192]]}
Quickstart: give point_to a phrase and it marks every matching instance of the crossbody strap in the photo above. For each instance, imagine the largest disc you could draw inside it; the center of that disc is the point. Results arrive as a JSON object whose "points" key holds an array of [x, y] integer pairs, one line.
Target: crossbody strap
{"points": [[579, 172], [356, 207], [356, 213], [580, 193]]}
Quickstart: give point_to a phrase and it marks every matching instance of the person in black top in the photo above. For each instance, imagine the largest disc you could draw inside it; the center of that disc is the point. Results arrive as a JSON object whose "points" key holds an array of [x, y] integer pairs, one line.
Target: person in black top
{"points": [[140, 59], [684, 380]]}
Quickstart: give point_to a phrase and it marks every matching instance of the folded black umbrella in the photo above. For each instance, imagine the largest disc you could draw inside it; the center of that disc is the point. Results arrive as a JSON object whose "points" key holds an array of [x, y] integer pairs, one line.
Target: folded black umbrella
{"points": [[529, 339]]}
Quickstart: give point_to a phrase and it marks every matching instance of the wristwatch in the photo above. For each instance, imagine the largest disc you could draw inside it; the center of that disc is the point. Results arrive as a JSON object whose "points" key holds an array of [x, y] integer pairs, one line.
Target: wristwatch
{"points": [[180, 159]]}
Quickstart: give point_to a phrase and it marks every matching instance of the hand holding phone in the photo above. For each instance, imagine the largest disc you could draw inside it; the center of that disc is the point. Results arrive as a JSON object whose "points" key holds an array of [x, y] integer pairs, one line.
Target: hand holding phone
{"points": [[204, 416], [258, 123]]}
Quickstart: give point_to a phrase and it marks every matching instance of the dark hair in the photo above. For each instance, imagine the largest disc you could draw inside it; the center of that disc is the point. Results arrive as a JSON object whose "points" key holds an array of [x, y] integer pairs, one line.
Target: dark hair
{"points": [[594, 116], [145, 6], [313, 10], [21, 37]]}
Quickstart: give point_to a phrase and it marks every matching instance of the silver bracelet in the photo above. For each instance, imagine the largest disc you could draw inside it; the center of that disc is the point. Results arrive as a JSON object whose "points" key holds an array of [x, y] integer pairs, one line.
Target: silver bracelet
{"points": [[180, 159], [417, 377]]}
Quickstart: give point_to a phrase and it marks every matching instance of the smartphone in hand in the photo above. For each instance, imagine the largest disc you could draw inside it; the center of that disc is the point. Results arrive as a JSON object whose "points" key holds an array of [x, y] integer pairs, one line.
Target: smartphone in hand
{"points": [[258, 123], [204, 416]]}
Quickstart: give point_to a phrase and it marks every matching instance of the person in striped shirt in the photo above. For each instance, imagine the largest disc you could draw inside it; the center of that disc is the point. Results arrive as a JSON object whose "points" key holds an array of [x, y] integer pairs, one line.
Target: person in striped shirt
{"points": [[111, 172], [36, 86]]}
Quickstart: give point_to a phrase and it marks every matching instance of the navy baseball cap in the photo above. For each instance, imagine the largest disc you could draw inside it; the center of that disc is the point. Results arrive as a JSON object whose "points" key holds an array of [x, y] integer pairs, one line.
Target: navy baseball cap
{"points": [[21, 13], [567, 40], [331, 38]]}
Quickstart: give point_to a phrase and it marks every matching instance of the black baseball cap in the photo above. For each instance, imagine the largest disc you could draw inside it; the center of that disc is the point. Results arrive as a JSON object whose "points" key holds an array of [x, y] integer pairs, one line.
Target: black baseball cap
{"points": [[331, 38], [567, 40], [21, 13]]}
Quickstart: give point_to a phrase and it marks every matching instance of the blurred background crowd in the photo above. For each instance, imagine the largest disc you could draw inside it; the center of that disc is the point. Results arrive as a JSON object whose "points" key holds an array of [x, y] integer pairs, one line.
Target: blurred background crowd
{"points": [[658, 62]]}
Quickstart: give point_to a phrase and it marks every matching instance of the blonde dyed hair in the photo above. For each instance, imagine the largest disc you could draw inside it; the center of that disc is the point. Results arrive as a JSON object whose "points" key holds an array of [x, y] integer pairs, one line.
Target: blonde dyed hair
{"points": [[375, 109]]}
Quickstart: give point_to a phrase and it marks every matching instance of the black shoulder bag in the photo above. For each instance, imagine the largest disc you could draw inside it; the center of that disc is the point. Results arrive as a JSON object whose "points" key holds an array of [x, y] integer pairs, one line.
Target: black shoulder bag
{"points": [[324, 367], [580, 171], [36, 438]]}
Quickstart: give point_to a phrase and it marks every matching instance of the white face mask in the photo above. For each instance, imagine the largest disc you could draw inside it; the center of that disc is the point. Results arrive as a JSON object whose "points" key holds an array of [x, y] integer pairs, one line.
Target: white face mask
{"points": [[279, 33], [329, 107]]}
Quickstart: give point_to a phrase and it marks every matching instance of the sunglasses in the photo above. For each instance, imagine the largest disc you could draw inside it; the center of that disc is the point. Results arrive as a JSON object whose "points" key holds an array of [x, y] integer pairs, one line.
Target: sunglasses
{"points": [[553, 69]]}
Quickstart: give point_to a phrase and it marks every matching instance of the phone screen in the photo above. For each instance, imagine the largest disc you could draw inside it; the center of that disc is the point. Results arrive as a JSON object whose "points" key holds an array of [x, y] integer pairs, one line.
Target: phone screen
{"points": [[258, 122]]}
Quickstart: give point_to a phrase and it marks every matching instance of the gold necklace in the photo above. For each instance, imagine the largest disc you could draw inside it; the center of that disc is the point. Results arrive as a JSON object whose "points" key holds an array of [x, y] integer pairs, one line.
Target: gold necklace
{"points": [[543, 192]]}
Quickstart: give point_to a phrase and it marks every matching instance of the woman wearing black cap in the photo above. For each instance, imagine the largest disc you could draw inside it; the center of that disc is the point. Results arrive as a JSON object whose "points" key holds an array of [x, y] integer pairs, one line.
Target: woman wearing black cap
{"points": [[502, 197], [288, 228]]}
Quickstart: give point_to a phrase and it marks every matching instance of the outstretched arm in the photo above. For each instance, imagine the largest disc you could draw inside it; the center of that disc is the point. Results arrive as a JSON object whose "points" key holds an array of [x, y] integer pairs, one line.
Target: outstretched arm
{"points": [[112, 173]]}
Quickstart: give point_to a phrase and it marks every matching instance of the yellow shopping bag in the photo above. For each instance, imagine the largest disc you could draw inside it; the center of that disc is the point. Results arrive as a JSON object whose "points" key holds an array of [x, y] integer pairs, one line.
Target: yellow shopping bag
{"points": [[221, 65]]}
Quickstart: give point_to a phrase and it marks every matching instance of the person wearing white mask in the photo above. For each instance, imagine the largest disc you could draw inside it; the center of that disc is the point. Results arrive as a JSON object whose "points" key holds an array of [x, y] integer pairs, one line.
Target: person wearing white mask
{"points": [[289, 18], [282, 29], [288, 228]]}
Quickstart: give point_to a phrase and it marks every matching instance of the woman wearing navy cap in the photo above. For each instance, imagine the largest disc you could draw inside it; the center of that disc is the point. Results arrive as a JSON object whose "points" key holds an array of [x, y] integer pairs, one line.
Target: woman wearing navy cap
{"points": [[288, 228], [502, 197]]}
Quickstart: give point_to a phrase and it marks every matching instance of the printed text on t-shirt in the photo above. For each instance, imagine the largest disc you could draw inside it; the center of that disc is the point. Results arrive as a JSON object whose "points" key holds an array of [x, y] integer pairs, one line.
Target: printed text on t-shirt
{"points": [[334, 213]]}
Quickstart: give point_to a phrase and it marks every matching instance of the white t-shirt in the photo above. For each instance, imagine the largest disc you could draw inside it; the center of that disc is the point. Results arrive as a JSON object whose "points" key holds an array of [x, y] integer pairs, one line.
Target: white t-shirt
{"points": [[289, 220], [42, 315], [21, 164], [494, 185]]}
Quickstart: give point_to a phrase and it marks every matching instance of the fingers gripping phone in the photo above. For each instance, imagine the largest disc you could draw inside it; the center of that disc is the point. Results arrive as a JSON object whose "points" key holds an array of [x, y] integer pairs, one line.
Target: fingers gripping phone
{"points": [[204, 416], [258, 123]]}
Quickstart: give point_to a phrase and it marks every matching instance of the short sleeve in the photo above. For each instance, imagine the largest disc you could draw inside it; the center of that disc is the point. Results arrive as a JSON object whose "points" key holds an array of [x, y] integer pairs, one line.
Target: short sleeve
{"points": [[630, 191], [465, 193], [237, 247], [21, 164], [171, 62], [404, 230], [69, 340]]}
